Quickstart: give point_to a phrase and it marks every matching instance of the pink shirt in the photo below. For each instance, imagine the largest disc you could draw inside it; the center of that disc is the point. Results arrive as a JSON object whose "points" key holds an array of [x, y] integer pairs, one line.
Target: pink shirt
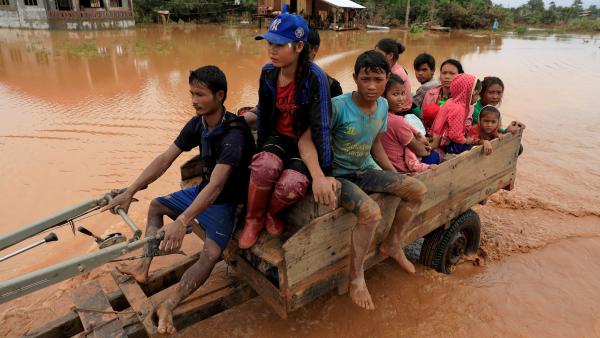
{"points": [[396, 69], [398, 135], [455, 117], [413, 163], [431, 96]]}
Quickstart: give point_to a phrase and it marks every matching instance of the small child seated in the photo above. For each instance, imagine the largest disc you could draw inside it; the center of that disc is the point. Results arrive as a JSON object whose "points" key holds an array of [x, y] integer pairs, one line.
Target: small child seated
{"points": [[403, 142], [487, 128]]}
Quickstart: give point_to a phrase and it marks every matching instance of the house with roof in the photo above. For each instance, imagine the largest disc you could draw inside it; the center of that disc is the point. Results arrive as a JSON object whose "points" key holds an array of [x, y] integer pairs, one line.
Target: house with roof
{"points": [[66, 14], [322, 14]]}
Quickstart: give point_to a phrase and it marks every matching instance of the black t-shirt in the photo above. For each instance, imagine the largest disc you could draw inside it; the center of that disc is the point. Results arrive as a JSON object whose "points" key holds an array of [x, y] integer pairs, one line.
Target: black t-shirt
{"points": [[335, 88], [232, 147]]}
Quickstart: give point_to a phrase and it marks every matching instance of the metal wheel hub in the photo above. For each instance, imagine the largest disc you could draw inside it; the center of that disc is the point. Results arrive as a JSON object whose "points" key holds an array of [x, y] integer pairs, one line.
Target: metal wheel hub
{"points": [[457, 248]]}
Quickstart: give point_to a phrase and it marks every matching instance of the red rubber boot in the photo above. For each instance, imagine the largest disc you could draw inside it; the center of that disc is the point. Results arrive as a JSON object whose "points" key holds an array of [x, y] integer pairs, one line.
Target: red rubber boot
{"points": [[290, 188], [265, 169], [255, 216]]}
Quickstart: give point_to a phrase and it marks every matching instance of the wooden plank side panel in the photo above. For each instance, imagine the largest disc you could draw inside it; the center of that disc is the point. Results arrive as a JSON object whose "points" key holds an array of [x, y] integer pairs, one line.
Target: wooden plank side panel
{"points": [[305, 210], [463, 182], [268, 292], [326, 240], [432, 218], [318, 284], [328, 279], [91, 297], [322, 242], [323, 281], [269, 250], [468, 169], [454, 187]]}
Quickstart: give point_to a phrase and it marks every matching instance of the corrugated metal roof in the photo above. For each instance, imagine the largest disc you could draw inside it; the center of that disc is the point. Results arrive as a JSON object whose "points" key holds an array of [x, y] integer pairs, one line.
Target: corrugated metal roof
{"points": [[344, 4]]}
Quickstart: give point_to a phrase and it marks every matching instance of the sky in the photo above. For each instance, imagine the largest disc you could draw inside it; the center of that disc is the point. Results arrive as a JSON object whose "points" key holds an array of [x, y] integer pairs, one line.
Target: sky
{"points": [[517, 3]]}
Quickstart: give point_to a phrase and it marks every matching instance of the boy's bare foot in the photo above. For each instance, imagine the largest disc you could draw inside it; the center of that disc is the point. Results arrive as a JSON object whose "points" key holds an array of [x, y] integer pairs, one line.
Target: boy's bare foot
{"points": [[400, 258], [360, 294], [165, 318], [136, 271]]}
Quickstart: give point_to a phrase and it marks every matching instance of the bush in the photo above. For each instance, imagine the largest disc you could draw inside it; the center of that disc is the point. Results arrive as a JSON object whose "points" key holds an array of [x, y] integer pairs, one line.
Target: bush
{"points": [[416, 29], [521, 30], [584, 24]]}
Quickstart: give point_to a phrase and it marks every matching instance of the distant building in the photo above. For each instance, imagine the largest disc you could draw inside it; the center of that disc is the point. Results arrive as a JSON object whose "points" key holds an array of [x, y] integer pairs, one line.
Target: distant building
{"points": [[66, 14], [323, 14]]}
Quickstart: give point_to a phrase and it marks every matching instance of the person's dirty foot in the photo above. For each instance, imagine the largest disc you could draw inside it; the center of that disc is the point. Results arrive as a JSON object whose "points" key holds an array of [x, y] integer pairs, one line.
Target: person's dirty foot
{"points": [[165, 319], [136, 271], [399, 257], [360, 294]]}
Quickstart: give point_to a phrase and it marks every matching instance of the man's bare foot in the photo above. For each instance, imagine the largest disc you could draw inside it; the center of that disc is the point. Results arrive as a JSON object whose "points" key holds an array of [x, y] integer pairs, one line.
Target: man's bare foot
{"points": [[360, 294], [165, 318], [400, 258], [136, 271]]}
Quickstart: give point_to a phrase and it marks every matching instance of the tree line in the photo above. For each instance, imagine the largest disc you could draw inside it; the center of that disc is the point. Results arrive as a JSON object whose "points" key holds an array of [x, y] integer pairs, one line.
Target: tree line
{"points": [[474, 14]]}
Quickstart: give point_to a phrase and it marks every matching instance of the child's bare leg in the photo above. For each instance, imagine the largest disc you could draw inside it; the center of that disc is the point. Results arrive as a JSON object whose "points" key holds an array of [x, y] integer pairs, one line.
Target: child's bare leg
{"points": [[412, 192], [191, 280], [139, 270], [369, 215], [368, 218], [392, 245]]}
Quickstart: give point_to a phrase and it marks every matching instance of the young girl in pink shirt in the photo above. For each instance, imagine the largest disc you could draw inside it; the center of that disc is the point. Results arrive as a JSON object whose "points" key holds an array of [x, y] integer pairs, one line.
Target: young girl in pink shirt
{"points": [[392, 49], [402, 141]]}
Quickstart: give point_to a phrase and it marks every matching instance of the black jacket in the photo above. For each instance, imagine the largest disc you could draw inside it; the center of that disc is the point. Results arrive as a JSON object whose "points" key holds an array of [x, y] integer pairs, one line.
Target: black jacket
{"points": [[314, 110], [335, 88], [235, 189]]}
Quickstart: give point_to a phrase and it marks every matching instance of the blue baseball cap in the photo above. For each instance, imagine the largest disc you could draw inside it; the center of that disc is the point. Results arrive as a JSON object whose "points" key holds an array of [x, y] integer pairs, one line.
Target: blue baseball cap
{"points": [[286, 28]]}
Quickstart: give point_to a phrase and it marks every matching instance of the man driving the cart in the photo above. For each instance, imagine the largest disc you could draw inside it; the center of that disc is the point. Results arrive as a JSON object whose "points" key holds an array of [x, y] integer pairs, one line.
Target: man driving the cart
{"points": [[226, 147]]}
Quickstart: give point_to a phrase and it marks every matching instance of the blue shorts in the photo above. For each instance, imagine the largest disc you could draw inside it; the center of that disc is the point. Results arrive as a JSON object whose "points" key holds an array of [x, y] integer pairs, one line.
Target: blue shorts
{"points": [[457, 148], [218, 220], [433, 158]]}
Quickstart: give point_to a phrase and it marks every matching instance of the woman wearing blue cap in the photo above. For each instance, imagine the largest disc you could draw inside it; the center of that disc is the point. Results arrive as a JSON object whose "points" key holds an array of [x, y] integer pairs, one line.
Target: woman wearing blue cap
{"points": [[293, 111]]}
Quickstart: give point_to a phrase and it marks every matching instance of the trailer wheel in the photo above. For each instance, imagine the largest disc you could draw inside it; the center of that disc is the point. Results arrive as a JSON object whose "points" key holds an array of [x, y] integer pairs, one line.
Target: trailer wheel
{"points": [[429, 247], [462, 237]]}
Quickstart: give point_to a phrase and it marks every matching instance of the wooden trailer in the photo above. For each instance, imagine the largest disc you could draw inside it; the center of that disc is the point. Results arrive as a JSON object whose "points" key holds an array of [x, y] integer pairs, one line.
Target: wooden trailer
{"points": [[310, 259], [313, 256]]}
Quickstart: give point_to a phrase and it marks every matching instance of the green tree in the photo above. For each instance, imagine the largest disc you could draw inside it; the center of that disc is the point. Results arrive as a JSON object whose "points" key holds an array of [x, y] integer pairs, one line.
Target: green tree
{"points": [[577, 5], [549, 17], [535, 6]]}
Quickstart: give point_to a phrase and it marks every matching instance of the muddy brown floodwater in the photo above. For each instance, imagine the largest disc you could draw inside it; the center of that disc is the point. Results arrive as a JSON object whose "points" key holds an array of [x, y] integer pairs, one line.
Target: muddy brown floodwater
{"points": [[84, 112]]}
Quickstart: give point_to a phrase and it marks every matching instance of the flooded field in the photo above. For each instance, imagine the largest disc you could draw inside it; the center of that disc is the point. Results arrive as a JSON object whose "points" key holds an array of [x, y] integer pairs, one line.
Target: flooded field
{"points": [[83, 113]]}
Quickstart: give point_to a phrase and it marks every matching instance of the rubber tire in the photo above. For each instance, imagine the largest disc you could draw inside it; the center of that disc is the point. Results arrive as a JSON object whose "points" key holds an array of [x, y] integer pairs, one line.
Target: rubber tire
{"points": [[466, 227], [429, 247]]}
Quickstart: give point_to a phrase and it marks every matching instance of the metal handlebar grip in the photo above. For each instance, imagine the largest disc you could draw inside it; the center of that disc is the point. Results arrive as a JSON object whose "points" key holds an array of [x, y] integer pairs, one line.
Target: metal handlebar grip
{"points": [[137, 233]]}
